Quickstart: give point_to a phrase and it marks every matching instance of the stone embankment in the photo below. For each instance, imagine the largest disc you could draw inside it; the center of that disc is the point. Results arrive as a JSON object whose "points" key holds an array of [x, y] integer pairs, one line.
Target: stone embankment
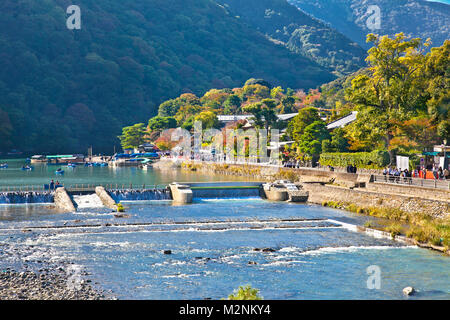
{"points": [[326, 186]]}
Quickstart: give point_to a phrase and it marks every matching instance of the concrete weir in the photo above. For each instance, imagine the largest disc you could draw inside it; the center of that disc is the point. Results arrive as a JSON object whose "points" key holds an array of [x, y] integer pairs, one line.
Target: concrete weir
{"points": [[181, 193], [105, 198], [63, 201]]}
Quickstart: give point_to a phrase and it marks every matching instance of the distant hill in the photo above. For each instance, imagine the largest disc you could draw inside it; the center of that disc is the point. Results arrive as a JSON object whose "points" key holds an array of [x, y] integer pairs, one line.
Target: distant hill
{"points": [[285, 24], [417, 18], [64, 90]]}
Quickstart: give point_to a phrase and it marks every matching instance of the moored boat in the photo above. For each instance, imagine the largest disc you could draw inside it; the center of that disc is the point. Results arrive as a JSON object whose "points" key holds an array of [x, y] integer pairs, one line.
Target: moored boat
{"points": [[283, 190]]}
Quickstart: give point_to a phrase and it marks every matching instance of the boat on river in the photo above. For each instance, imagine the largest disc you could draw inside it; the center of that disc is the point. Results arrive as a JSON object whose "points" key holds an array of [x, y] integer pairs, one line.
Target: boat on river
{"points": [[3, 166], [27, 168], [59, 171]]}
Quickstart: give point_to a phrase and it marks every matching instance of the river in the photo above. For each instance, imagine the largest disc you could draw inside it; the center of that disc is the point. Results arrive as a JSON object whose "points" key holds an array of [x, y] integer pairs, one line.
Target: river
{"points": [[216, 245]]}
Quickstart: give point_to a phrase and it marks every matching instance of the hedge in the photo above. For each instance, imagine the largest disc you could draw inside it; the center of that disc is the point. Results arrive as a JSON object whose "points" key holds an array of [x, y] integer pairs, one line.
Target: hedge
{"points": [[367, 160]]}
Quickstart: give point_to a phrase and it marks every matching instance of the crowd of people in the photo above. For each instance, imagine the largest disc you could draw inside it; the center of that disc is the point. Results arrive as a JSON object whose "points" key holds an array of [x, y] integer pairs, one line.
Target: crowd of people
{"points": [[434, 173]]}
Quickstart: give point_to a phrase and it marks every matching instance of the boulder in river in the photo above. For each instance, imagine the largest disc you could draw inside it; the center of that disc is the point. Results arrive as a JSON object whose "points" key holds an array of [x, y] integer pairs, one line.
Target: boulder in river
{"points": [[409, 291]]}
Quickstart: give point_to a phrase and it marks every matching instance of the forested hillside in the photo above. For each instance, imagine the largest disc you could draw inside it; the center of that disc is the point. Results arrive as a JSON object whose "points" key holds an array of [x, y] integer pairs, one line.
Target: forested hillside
{"points": [[416, 18], [64, 90], [302, 34]]}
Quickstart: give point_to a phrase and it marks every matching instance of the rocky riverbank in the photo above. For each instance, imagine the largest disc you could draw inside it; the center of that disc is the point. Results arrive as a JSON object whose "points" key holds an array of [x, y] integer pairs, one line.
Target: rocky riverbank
{"points": [[26, 274], [46, 285]]}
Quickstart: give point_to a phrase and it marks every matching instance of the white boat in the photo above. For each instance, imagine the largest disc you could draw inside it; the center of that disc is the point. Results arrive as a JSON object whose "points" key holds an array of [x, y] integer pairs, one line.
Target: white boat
{"points": [[284, 190]]}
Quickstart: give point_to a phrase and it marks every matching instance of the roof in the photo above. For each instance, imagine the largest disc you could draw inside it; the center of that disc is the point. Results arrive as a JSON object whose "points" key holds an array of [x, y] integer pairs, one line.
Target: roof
{"points": [[231, 118], [287, 116], [342, 122], [62, 156]]}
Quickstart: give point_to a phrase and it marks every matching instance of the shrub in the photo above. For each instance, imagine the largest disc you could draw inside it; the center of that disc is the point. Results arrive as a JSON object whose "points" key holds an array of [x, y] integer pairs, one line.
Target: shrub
{"points": [[394, 230], [120, 207], [245, 293], [368, 160]]}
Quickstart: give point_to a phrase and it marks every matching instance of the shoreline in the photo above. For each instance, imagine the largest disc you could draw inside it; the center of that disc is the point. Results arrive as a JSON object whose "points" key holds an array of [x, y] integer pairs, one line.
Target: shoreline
{"points": [[39, 279]]}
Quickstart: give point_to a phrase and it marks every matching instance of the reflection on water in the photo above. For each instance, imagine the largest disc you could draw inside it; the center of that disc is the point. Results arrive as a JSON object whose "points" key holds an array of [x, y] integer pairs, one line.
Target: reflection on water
{"points": [[42, 174]]}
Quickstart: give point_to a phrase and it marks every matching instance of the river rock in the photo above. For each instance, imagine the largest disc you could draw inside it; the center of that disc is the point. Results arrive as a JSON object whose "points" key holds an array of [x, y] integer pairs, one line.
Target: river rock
{"points": [[409, 291], [167, 251]]}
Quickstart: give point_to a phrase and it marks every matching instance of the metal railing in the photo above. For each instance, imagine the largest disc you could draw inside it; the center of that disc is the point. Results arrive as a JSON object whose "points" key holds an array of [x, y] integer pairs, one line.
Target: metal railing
{"points": [[24, 188], [117, 186], [418, 182]]}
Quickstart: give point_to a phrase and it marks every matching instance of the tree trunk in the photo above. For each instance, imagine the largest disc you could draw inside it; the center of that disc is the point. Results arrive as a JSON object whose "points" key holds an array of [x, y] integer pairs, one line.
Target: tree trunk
{"points": [[387, 140]]}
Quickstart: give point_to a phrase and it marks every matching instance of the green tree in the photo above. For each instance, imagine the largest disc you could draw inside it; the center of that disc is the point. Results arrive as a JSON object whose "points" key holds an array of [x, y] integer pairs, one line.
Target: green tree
{"points": [[437, 71], [264, 113], [287, 105], [158, 124], [208, 119], [298, 124], [339, 142], [394, 89], [310, 141], [133, 136], [232, 105]]}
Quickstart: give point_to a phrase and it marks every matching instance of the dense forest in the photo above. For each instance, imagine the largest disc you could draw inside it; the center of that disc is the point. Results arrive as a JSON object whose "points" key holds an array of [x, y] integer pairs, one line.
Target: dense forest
{"points": [[285, 24], [416, 18], [64, 90]]}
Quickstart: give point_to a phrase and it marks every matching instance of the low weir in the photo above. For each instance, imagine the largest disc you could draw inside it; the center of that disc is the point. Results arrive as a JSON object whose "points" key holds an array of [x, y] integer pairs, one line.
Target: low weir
{"points": [[24, 197], [225, 190], [136, 195], [65, 201]]}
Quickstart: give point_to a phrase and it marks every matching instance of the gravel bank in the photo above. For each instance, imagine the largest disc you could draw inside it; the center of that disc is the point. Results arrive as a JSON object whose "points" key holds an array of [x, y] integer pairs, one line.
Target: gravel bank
{"points": [[47, 285], [27, 272]]}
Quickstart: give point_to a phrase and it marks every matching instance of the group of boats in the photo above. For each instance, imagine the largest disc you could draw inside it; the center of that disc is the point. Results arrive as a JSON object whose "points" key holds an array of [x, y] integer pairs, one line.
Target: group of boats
{"points": [[96, 164], [59, 171]]}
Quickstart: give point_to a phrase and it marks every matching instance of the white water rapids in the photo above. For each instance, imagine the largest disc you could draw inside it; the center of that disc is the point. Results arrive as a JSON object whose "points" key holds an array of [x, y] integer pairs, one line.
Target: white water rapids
{"points": [[88, 201]]}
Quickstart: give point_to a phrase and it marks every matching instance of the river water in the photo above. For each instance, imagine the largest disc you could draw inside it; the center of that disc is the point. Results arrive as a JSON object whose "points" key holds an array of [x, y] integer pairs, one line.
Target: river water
{"points": [[215, 244]]}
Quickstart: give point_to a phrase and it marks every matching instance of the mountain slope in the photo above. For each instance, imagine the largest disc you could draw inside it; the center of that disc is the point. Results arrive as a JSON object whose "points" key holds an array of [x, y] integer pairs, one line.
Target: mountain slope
{"points": [[300, 33], [417, 18], [63, 90]]}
